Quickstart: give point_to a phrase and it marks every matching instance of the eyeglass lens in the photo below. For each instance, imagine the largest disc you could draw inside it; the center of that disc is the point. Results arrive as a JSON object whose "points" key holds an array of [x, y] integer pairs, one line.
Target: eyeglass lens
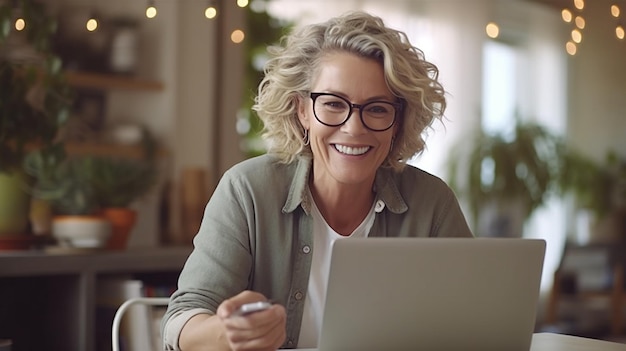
{"points": [[333, 110]]}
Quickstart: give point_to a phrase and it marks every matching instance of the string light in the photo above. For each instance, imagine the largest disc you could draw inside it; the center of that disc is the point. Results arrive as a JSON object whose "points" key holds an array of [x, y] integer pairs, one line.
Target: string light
{"points": [[619, 30], [237, 36], [615, 11], [211, 10], [579, 4], [580, 22], [570, 47], [566, 15], [92, 21], [20, 24], [492, 30], [577, 36], [151, 11], [92, 24]]}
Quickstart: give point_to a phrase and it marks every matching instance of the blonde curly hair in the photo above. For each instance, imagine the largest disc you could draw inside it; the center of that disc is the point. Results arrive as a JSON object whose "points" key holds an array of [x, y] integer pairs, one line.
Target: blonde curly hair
{"points": [[294, 63]]}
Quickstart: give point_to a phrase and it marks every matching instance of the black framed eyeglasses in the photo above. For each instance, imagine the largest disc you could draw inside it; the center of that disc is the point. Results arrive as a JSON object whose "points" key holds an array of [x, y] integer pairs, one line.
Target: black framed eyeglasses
{"points": [[333, 110]]}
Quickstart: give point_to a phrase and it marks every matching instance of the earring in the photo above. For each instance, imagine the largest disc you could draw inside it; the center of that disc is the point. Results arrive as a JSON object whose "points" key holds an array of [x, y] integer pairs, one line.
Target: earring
{"points": [[306, 137]]}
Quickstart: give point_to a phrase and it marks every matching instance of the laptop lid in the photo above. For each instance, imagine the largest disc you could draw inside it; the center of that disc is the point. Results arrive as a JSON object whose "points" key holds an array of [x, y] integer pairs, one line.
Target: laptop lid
{"points": [[432, 294]]}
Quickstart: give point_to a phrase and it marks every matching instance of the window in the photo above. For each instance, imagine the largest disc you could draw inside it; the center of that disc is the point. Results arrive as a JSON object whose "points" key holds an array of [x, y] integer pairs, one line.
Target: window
{"points": [[527, 81], [499, 91]]}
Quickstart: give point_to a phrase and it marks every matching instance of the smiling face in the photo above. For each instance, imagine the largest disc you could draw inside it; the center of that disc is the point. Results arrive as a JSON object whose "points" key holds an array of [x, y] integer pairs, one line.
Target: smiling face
{"points": [[348, 154]]}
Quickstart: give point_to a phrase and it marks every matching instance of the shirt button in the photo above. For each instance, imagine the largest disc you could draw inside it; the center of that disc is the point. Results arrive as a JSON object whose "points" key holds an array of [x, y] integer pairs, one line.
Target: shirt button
{"points": [[298, 295], [290, 342], [380, 205], [306, 249]]}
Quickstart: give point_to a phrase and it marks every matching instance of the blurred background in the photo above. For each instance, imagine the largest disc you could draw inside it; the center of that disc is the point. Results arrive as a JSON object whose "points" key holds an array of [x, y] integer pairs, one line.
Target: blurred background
{"points": [[533, 141]]}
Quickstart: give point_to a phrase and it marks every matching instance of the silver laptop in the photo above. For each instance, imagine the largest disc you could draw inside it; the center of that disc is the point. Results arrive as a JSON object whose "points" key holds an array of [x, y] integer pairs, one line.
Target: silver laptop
{"points": [[432, 294]]}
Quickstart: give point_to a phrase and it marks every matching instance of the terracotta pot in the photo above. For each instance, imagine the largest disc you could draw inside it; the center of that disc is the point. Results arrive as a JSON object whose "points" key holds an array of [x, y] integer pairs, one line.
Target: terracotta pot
{"points": [[122, 221], [17, 242]]}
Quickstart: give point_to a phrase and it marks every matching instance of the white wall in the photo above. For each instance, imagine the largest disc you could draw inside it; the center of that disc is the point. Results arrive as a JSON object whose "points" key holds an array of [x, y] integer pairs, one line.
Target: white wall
{"points": [[597, 85]]}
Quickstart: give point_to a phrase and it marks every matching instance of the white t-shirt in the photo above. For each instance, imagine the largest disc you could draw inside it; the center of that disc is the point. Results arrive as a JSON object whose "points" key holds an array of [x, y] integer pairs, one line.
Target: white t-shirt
{"points": [[323, 238]]}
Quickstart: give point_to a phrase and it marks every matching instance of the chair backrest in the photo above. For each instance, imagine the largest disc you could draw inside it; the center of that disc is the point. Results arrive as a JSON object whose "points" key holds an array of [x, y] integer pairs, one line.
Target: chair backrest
{"points": [[119, 314]]}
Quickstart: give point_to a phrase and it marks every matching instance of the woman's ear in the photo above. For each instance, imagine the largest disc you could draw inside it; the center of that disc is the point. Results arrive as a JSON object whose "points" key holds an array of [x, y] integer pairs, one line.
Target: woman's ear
{"points": [[302, 115]]}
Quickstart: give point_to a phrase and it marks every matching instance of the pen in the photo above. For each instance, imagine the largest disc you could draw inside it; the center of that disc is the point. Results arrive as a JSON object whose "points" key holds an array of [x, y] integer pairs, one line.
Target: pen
{"points": [[252, 307]]}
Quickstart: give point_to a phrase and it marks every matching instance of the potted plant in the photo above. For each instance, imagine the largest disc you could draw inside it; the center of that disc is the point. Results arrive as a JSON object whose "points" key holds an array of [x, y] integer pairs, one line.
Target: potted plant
{"points": [[34, 104], [117, 183], [65, 184], [505, 179], [94, 188], [598, 190]]}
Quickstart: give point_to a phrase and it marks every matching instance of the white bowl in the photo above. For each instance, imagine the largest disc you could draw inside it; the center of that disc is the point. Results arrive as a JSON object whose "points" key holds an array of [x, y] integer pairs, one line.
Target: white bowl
{"points": [[81, 231]]}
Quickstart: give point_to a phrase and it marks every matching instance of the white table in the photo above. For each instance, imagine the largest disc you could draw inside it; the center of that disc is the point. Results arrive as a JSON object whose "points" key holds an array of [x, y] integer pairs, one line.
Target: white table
{"points": [[560, 342]]}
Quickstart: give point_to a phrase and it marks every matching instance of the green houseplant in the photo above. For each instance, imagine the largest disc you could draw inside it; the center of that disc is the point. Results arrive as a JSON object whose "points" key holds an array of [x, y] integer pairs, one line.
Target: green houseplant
{"points": [[88, 186], [263, 30], [92, 188], [598, 188], [63, 185], [501, 174], [505, 179], [35, 101], [117, 183], [64, 182]]}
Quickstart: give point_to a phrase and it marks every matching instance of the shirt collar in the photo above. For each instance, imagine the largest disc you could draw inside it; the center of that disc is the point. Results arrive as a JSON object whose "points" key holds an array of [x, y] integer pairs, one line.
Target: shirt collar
{"points": [[387, 193], [298, 191]]}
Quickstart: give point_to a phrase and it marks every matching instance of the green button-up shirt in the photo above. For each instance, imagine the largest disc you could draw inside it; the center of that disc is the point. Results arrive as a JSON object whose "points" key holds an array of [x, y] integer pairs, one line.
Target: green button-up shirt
{"points": [[256, 233]]}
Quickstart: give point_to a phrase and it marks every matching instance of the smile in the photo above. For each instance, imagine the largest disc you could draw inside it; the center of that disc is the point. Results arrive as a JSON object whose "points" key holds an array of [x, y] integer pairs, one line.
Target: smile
{"points": [[348, 150]]}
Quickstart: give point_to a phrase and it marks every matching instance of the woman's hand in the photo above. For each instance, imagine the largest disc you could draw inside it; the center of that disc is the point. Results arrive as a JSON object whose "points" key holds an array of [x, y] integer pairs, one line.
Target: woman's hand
{"points": [[263, 330]]}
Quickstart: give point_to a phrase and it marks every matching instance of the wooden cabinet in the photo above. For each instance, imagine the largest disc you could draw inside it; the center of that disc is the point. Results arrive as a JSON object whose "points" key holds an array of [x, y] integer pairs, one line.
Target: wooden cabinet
{"points": [[48, 301]]}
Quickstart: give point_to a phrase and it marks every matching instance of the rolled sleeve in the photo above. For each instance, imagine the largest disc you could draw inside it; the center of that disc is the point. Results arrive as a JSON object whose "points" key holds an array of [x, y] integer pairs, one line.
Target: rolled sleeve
{"points": [[175, 324]]}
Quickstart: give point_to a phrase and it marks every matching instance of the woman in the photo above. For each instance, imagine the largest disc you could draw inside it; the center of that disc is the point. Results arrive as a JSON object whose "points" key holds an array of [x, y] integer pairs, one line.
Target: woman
{"points": [[344, 104]]}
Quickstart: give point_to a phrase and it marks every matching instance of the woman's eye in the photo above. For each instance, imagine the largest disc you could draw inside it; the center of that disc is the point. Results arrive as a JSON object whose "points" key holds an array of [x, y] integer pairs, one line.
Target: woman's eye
{"points": [[335, 104], [378, 109]]}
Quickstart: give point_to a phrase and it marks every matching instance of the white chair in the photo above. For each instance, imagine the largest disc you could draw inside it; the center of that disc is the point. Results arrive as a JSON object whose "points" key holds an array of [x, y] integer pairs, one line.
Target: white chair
{"points": [[119, 314]]}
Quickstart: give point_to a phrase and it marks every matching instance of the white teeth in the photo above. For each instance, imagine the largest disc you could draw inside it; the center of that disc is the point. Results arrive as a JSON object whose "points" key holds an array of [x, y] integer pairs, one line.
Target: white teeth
{"points": [[351, 150]]}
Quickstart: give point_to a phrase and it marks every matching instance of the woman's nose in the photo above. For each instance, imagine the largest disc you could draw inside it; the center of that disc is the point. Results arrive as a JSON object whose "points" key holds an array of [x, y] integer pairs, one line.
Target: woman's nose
{"points": [[354, 124]]}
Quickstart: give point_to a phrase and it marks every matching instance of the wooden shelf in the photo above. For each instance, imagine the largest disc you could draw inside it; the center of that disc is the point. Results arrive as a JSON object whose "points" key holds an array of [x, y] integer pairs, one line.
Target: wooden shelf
{"points": [[104, 149], [38, 263], [108, 149], [111, 82]]}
